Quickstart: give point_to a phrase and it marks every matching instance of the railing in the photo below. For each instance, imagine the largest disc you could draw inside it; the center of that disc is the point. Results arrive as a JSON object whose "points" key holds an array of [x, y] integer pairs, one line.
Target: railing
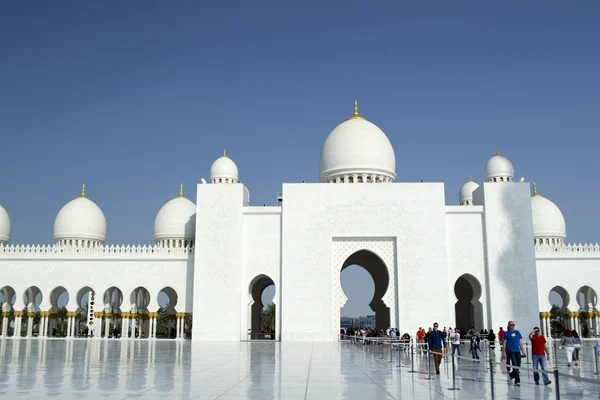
{"points": [[378, 347], [106, 250], [261, 335], [568, 248]]}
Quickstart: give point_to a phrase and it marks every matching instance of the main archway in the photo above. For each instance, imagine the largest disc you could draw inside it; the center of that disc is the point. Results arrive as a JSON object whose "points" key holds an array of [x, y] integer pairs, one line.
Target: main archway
{"points": [[468, 308], [381, 279], [263, 317], [378, 257]]}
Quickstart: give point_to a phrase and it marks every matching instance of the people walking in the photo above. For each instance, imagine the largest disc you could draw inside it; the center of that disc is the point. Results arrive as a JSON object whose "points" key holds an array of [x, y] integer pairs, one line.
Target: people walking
{"points": [[475, 341], [568, 343], [576, 346], [435, 343], [512, 346], [539, 355], [455, 340], [492, 339]]}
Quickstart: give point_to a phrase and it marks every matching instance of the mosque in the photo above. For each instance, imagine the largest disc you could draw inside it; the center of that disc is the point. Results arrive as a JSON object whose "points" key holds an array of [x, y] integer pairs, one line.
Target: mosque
{"points": [[495, 256]]}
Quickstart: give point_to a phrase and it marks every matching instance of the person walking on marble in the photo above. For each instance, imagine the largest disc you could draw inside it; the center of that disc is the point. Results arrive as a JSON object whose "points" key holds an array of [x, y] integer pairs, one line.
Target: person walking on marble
{"points": [[512, 346], [435, 343]]}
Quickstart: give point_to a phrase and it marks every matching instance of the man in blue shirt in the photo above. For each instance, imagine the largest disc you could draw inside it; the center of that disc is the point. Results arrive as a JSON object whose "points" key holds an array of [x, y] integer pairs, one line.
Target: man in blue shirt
{"points": [[512, 346], [435, 341]]}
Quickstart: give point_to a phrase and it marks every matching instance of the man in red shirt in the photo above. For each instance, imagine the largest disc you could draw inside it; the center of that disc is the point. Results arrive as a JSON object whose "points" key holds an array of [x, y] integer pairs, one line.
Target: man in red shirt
{"points": [[539, 354], [501, 335]]}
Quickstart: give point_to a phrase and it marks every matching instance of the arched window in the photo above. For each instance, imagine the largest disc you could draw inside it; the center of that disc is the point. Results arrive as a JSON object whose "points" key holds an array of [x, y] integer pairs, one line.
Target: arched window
{"points": [[377, 179], [342, 179], [369, 179], [350, 179], [360, 179], [501, 179]]}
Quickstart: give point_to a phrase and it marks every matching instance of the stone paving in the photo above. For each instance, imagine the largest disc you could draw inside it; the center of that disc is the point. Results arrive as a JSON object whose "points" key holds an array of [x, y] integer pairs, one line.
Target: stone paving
{"points": [[143, 369]]}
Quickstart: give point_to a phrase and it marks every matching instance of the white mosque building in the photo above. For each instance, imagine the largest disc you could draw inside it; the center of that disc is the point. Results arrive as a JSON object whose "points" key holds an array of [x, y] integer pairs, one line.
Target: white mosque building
{"points": [[495, 256]]}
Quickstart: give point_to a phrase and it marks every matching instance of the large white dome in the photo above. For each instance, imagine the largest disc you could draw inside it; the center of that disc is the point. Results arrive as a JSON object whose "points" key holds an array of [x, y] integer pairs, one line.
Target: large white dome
{"points": [[176, 220], [80, 219], [224, 170], [4, 226], [499, 169], [548, 220], [465, 195], [357, 151]]}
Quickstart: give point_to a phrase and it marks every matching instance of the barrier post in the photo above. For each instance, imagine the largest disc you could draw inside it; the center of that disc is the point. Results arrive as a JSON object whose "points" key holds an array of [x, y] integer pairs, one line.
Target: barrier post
{"points": [[412, 358], [391, 358], [527, 354], [555, 355], [429, 355], [453, 376], [596, 361], [556, 383], [491, 376]]}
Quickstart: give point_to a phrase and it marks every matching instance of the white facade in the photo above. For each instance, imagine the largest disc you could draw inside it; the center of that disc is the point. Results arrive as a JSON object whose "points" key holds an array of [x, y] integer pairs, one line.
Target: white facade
{"points": [[493, 258]]}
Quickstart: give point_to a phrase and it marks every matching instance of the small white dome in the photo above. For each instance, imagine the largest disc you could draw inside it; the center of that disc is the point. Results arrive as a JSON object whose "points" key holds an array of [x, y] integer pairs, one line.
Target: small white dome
{"points": [[80, 219], [176, 220], [4, 226], [357, 147], [498, 169], [224, 170], [465, 195], [548, 220]]}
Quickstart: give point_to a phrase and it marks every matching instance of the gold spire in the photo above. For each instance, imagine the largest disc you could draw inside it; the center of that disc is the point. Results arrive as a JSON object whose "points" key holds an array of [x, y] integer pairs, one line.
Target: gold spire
{"points": [[470, 179], [497, 152], [181, 190], [83, 190], [535, 193], [356, 116], [224, 153]]}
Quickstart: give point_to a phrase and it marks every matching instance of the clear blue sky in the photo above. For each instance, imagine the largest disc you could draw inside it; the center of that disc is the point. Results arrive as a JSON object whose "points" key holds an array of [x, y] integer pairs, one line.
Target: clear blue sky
{"points": [[133, 98]]}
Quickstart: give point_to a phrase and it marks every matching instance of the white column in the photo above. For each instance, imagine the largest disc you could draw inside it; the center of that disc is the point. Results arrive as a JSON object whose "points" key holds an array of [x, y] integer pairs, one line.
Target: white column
{"points": [[5, 322], [124, 325], [155, 325], [69, 323], [30, 324], [178, 319], [75, 325], [42, 324], [17, 329], [133, 324], [106, 325], [596, 331]]}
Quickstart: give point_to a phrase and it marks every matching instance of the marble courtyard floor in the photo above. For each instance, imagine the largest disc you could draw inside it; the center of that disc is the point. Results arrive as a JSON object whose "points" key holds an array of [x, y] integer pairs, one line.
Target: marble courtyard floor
{"points": [[142, 369]]}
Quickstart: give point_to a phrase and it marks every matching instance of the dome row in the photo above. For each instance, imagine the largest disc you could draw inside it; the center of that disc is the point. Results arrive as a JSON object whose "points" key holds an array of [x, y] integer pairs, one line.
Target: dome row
{"points": [[82, 223], [549, 226]]}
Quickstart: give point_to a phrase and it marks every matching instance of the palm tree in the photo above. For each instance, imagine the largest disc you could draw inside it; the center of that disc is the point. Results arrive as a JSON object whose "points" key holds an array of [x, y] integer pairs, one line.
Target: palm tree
{"points": [[267, 318]]}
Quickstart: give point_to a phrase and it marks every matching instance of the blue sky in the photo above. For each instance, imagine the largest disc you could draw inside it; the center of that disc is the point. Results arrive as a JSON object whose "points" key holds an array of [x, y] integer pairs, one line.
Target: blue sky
{"points": [[134, 98]]}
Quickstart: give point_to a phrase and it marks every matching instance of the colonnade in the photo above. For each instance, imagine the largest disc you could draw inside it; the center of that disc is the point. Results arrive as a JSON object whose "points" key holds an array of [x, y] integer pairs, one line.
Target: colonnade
{"points": [[130, 325], [572, 321]]}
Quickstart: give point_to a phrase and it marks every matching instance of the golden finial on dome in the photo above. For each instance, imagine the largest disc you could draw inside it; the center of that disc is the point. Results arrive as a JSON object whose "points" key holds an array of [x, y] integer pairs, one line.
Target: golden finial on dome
{"points": [[224, 153], [497, 152], [535, 193], [83, 190], [181, 190], [355, 115], [470, 179]]}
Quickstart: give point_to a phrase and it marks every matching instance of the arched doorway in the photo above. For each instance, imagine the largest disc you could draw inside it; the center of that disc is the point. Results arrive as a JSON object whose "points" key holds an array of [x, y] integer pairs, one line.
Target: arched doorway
{"points": [[468, 308], [86, 307], [166, 319], [8, 297], [587, 300], [378, 271], [559, 299], [263, 313]]}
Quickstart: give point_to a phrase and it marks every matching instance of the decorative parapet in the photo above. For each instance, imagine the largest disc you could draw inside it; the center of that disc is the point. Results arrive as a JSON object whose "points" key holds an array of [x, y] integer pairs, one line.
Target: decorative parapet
{"points": [[569, 248], [112, 251]]}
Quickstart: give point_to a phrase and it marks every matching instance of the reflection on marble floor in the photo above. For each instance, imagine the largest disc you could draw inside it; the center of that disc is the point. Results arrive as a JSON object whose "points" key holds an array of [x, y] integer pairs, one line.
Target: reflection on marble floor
{"points": [[69, 369]]}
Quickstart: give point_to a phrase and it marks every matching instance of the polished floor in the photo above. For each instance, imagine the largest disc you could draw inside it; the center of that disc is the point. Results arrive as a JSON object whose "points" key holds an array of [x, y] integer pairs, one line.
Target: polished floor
{"points": [[142, 369]]}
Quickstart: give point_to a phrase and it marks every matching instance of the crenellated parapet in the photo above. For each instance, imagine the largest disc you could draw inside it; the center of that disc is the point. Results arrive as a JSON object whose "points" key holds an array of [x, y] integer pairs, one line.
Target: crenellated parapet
{"points": [[106, 251], [569, 248]]}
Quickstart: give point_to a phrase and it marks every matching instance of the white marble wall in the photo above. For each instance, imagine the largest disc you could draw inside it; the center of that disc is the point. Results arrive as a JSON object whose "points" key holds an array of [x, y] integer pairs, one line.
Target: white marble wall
{"points": [[510, 258], [314, 214], [218, 262]]}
